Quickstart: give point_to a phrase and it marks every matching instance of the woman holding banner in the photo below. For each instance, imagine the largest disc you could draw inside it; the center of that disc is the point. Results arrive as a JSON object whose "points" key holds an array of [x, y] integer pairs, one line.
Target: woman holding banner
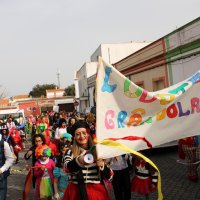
{"points": [[87, 172]]}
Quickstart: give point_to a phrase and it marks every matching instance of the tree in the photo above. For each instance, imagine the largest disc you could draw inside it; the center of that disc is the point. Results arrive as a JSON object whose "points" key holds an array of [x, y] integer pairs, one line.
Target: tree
{"points": [[40, 90], [70, 90]]}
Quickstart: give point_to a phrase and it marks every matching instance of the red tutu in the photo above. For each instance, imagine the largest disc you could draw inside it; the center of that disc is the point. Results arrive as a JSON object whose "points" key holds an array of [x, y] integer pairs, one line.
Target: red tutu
{"points": [[142, 186], [94, 192]]}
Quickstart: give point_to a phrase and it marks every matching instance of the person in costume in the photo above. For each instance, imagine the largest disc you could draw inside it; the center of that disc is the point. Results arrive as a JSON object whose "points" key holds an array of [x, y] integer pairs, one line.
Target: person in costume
{"points": [[9, 139], [14, 133], [61, 177], [43, 172], [91, 129], [60, 130], [121, 179], [86, 171], [65, 139], [6, 161], [10, 123], [38, 139], [70, 127], [189, 150], [146, 177], [43, 129]]}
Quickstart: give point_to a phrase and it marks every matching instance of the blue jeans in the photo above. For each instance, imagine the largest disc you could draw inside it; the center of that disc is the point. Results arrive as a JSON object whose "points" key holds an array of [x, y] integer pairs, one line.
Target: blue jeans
{"points": [[3, 187]]}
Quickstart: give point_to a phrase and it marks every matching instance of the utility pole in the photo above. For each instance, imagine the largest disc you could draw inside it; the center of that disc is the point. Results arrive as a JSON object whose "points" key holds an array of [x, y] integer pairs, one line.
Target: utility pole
{"points": [[58, 75]]}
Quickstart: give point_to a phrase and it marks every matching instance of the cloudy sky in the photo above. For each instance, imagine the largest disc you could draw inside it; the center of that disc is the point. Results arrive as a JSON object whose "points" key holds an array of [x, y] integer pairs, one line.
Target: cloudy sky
{"points": [[40, 37]]}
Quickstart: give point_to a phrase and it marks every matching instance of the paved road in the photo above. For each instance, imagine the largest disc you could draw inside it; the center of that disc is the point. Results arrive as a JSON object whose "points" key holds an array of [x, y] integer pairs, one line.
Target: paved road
{"points": [[175, 185]]}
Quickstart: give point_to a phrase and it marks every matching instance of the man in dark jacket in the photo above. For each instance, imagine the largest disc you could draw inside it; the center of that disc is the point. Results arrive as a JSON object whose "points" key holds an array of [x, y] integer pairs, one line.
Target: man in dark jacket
{"points": [[6, 161]]}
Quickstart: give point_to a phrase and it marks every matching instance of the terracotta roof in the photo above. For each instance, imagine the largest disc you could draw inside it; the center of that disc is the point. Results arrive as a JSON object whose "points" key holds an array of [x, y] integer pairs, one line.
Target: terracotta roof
{"points": [[4, 101], [20, 97]]}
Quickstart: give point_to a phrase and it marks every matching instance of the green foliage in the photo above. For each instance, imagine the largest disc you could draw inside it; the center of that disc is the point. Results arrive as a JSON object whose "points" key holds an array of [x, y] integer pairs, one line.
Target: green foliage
{"points": [[70, 90], [40, 90]]}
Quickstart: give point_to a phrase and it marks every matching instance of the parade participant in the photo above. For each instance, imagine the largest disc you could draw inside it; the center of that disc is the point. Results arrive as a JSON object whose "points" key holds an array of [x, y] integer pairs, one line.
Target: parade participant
{"points": [[87, 174], [145, 180], [46, 119], [65, 139], [43, 172], [61, 178], [121, 179], [60, 130], [71, 123], [18, 141], [43, 129], [31, 119], [42, 125], [6, 161], [10, 124], [38, 139], [91, 129], [189, 150], [9, 139], [6, 135]]}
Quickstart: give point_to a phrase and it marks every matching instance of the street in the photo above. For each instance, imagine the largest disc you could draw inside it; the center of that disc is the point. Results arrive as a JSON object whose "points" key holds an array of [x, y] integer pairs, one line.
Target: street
{"points": [[175, 185]]}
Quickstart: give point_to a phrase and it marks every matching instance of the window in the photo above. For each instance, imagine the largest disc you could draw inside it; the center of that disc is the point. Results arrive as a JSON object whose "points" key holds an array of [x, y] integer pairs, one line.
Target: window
{"points": [[140, 84], [158, 83]]}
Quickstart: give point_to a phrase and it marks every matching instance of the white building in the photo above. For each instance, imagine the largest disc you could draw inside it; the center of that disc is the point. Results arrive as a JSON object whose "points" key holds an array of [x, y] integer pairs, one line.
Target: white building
{"points": [[87, 70], [113, 53], [86, 75]]}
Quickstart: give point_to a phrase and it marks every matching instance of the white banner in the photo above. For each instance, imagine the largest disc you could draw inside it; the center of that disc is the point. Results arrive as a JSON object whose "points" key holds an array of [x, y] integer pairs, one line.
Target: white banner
{"points": [[139, 119]]}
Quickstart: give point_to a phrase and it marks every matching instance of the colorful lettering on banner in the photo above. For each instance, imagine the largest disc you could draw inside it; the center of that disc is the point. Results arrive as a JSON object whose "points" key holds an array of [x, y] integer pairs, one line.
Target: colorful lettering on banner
{"points": [[165, 98], [109, 123], [127, 91], [161, 115], [195, 104], [181, 113], [172, 111], [121, 117], [144, 96], [106, 87], [136, 118], [195, 78], [178, 89], [149, 120]]}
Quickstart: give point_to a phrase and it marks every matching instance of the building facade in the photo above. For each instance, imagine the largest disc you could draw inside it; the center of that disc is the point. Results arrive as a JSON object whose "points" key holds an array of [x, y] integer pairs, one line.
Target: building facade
{"points": [[166, 61], [86, 71]]}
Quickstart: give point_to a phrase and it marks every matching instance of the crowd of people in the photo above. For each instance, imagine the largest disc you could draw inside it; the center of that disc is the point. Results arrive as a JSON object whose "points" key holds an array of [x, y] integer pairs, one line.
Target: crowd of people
{"points": [[64, 162]]}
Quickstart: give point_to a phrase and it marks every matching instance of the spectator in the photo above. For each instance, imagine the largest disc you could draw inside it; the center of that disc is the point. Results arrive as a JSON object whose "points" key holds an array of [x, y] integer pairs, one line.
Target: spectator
{"points": [[6, 161]]}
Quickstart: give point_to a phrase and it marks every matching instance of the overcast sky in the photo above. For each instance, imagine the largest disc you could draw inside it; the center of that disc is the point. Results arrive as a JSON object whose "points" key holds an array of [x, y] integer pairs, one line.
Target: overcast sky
{"points": [[40, 37]]}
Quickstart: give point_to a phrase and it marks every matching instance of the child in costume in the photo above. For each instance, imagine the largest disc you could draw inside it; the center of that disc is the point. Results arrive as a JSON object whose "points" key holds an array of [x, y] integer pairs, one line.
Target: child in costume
{"points": [[43, 173], [14, 133], [145, 180], [61, 177], [60, 130]]}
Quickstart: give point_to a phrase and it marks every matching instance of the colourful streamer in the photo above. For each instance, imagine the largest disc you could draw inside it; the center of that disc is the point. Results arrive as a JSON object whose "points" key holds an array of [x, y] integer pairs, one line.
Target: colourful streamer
{"points": [[127, 149], [132, 138], [27, 184]]}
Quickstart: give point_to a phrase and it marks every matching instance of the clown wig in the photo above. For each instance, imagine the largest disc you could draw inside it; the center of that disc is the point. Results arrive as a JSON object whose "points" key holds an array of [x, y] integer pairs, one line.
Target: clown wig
{"points": [[42, 150]]}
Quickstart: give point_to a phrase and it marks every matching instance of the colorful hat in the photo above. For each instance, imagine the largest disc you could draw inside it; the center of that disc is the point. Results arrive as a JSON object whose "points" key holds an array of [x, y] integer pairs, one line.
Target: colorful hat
{"points": [[67, 136], [42, 127], [42, 150], [79, 124]]}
